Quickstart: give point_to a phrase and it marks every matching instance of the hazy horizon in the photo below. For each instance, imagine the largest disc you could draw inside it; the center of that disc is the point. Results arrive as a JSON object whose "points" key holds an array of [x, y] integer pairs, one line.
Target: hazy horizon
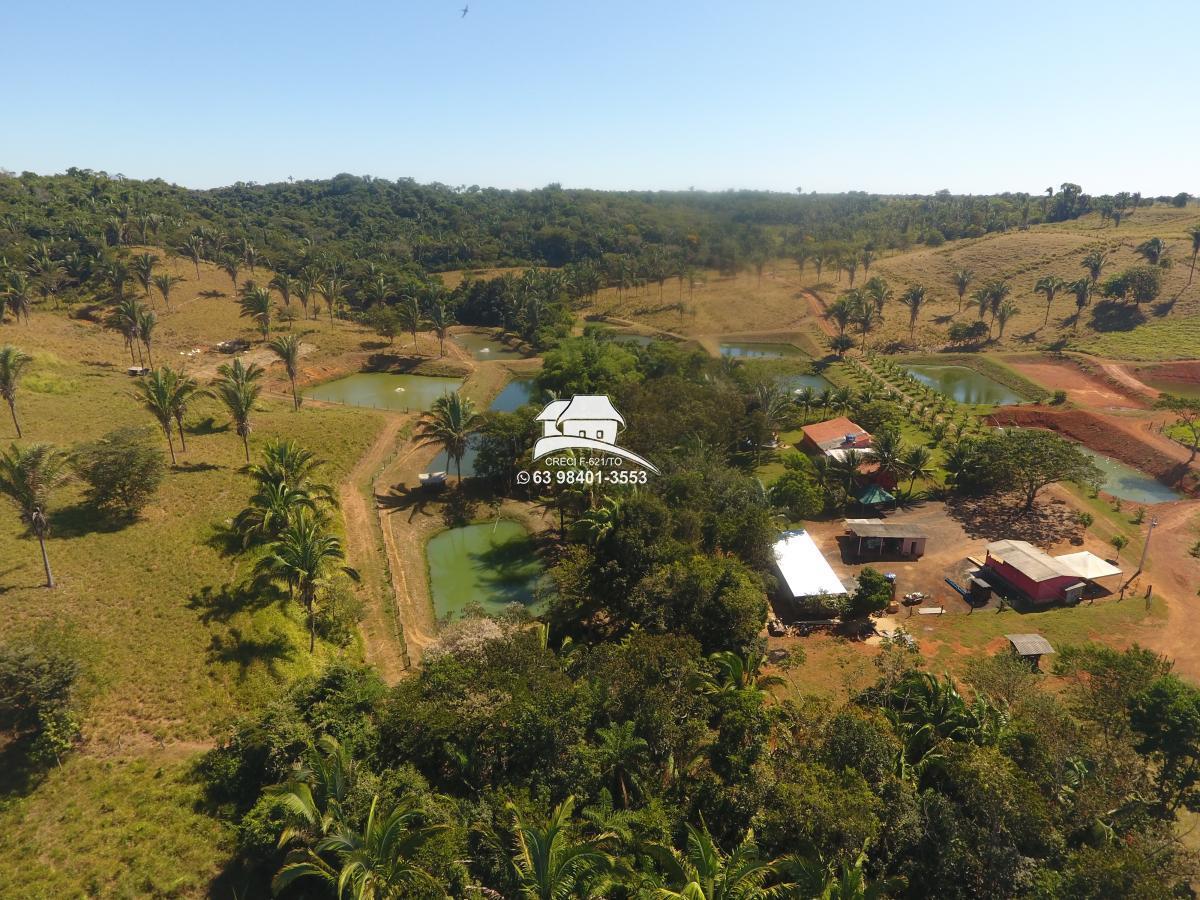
{"points": [[704, 95]]}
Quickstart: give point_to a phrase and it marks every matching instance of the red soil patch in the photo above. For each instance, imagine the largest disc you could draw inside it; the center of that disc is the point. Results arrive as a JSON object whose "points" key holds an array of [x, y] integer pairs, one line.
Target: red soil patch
{"points": [[1102, 434], [1185, 373], [1081, 387]]}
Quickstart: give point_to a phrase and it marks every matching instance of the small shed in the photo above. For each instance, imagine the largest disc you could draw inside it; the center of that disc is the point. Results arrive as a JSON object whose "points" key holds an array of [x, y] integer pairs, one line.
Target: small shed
{"points": [[803, 569], [878, 538], [1030, 647], [874, 495]]}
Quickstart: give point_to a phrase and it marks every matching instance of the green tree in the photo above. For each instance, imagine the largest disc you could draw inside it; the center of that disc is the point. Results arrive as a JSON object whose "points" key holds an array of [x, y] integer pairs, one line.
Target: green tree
{"points": [[449, 424], [918, 462], [704, 872], [143, 270], [1153, 251], [1094, 262], [441, 320], [798, 493], [282, 282], [549, 862], [409, 315], [623, 757], [914, 299], [840, 343], [1006, 311], [873, 594], [1082, 289], [165, 284], [1049, 286], [305, 557], [962, 281], [255, 303], [1028, 459], [287, 349], [1166, 719], [156, 392], [28, 477], [237, 387], [1194, 234], [185, 391], [121, 471], [13, 363], [1186, 410]]}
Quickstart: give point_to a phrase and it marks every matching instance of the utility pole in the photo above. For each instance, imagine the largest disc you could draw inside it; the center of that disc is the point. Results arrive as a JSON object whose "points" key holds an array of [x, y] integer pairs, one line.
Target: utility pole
{"points": [[1146, 546]]}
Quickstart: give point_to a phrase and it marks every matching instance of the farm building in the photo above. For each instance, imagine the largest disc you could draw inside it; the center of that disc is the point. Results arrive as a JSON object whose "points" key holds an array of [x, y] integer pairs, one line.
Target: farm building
{"points": [[803, 570], [1030, 647], [874, 538], [1042, 578], [834, 437]]}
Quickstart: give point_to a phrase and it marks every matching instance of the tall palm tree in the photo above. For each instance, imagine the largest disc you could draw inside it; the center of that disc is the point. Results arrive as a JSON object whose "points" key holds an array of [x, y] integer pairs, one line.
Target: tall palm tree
{"points": [[231, 266], [287, 348], [376, 863], [1082, 289], [165, 283], [409, 312], [272, 507], [824, 399], [623, 758], [18, 296], [331, 291], [918, 461], [1194, 234], [915, 299], [1007, 310], [449, 424], [887, 451], [962, 280], [156, 391], [866, 317], [704, 872], [548, 862], [193, 249], [13, 363], [1049, 285], [806, 396], [879, 292], [143, 270], [841, 311], [28, 476], [439, 318], [286, 462], [125, 318], [1094, 263], [185, 391], [304, 556], [237, 387], [305, 285], [146, 321], [255, 303], [282, 282]]}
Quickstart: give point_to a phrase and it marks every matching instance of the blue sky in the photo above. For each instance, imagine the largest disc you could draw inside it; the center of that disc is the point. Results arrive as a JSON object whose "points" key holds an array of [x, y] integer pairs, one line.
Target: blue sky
{"points": [[890, 97]]}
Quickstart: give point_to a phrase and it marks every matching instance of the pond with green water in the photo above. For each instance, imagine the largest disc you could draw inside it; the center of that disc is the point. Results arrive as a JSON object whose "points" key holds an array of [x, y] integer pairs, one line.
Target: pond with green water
{"points": [[753, 350], [484, 347], [1128, 483], [514, 395], [965, 385], [492, 564], [385, 390]]}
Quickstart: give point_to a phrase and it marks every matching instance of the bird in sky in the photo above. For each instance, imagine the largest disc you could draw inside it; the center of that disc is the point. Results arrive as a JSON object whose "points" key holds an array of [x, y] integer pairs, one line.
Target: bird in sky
{"points": [[464, 11]]}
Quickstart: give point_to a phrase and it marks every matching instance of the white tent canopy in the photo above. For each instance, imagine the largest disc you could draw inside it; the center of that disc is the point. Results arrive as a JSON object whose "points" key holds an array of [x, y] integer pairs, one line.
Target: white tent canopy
{"points": [[1088, 565], [804, 569]]}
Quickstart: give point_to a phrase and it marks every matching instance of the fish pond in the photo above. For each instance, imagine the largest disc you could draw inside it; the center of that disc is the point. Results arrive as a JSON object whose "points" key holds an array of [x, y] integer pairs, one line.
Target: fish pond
{"points": [[751, 350], [484, 347], [492, 564], [385, 390], [1128, 483], [965, 385]]}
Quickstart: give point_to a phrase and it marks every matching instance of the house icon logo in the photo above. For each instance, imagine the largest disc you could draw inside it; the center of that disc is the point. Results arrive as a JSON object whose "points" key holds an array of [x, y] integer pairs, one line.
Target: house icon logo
{"points": [[585, 422]]}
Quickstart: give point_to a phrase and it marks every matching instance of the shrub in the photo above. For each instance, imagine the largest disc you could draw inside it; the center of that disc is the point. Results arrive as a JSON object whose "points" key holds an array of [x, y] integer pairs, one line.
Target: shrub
{"points": [[122, 470], [1059, 398]]}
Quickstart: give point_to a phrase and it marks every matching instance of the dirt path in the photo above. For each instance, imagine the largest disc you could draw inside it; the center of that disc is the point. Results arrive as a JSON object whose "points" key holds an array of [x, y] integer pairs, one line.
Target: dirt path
{"points": [[1081, 388], [383, 642], [1174, 574], [1125, 377]]}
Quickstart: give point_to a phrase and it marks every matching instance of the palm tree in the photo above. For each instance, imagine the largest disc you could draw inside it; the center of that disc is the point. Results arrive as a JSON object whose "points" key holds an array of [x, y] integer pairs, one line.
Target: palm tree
{"points": [[13, 363], [962, 280], [157, 393], [548, 862], [282, 282], [304, 556], [805, 396], [1153, 251], [146, 320], [255, 304], [878, 292], [703, 872], [1082, 289], [599, 521], [824, 399], [164, 283], [439, 318], [125, 318], [287, 348], [376, 863], [918, 461], [408, 311], [305, 286], [1194, 234], [28, 475], [915, 299], [623, 757], [449, 424], [1048, 285], [841, 311], [232, 265], [738, 673], [186, 390], [1007, 310], [1094, 263], [143, 270], [193, 249], [237, 387], [286, 462], [866, 317], [887, 451], [331, 291], [272, 507], [19, 296]]}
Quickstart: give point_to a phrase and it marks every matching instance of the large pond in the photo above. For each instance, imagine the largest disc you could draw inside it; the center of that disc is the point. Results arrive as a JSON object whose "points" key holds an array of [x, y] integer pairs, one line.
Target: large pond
{"points": [[491, 564], [965, 385], [795, 382], [751, 350], [484, 346], [1128, 483], [385, 390], [515, 394]]}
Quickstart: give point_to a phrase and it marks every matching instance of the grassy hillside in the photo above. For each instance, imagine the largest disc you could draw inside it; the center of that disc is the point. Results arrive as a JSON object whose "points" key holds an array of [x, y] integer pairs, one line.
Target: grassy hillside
{"points": [[170, 653]]}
